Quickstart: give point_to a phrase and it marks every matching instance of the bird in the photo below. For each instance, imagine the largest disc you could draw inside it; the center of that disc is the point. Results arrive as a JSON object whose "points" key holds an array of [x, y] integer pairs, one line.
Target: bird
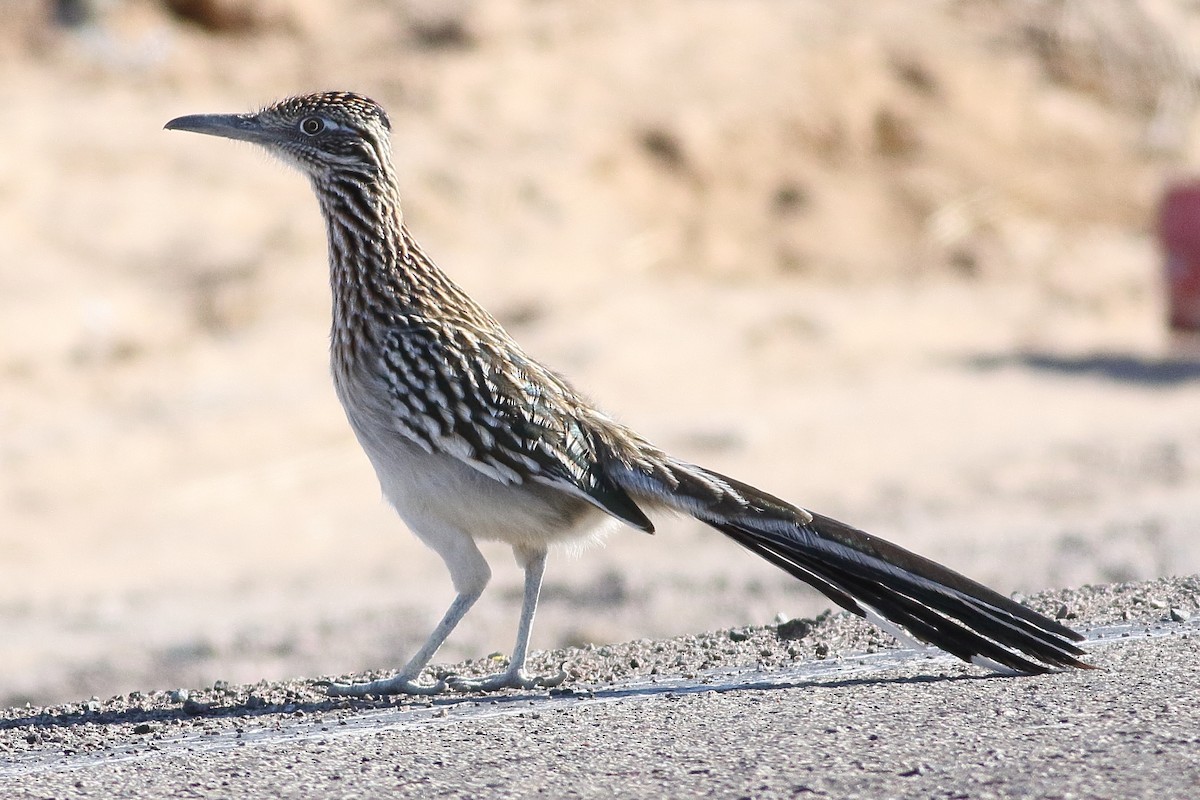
{"points": [[474, 440]]}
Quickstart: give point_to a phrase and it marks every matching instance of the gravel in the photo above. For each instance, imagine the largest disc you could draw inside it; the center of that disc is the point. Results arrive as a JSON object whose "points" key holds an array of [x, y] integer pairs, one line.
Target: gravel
{"points": [[146, 720]]}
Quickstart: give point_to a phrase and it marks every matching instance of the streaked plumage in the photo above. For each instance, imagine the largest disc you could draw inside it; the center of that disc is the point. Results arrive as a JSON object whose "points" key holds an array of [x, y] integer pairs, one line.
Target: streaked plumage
{"points": [[473, 439]]}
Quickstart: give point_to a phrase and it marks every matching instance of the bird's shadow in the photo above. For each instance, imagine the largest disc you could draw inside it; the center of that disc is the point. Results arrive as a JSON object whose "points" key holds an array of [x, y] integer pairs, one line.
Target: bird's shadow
{"points": [[463, 706]]}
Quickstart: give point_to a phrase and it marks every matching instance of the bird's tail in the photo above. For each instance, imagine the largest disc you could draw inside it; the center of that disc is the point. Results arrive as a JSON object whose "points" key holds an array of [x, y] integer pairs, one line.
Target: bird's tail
{"points": [[900, 591]]}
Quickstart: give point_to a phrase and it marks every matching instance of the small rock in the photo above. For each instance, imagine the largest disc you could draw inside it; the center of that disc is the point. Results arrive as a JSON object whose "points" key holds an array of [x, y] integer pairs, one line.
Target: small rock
{"points": [[1156, 603], [1065, 612], [794, 629], [142, 728], [179, 695], [739, 634], [1179, 615]]}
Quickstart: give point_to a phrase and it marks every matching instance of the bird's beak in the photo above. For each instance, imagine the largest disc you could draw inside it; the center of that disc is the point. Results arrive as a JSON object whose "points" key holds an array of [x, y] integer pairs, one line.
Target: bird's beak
{"points": [[246, 127]]}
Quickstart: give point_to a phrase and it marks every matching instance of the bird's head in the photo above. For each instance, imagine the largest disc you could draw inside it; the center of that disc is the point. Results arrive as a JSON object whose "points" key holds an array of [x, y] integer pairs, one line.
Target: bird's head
{"points": [[321, 134]]}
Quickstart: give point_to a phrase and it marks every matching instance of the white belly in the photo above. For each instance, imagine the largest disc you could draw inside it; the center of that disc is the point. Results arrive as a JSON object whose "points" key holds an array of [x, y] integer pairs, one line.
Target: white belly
{"points": [[438, 496], [430, 492]]}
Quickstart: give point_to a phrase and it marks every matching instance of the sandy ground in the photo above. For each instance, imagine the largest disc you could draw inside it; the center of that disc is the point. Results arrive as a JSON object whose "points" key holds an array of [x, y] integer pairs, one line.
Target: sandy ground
{"points": [[894, 262]]}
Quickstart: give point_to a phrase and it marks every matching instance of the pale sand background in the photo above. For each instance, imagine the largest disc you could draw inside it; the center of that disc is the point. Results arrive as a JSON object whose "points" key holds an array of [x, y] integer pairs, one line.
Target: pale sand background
{"points": [[893, 261]]}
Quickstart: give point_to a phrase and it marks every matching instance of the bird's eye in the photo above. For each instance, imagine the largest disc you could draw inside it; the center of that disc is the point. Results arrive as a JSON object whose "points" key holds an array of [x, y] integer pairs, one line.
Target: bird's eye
{"points": [[312, 125]]}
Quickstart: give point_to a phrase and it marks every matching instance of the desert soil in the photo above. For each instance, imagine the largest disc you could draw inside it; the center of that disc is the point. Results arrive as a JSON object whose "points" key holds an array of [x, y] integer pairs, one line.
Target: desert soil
{"points": [[894, 261]]}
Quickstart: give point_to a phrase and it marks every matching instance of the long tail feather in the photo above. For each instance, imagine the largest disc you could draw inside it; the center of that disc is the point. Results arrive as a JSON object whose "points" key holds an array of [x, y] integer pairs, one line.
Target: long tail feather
{"points": [[873, 578]]}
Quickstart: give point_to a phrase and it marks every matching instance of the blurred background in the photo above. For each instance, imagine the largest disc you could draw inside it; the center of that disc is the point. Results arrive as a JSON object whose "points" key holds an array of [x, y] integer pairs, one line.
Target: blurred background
{"points": [[896, 261]]}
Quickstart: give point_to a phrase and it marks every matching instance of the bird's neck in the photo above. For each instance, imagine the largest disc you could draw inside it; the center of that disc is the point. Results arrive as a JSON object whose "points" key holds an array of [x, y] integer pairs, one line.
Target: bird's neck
{"points": [[381, 279]]}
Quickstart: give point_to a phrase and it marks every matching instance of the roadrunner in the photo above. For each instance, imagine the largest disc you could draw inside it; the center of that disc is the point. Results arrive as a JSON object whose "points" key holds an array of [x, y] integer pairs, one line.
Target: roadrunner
{"points": [[474, 440]]}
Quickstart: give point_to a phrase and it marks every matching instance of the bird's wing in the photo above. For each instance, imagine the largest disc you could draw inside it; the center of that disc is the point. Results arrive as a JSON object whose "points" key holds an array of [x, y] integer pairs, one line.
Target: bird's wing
{"points": [[495, 409]]}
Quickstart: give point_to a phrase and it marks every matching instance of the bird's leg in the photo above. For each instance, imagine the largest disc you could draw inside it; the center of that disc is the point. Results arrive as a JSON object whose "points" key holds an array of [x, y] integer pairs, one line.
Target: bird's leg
{"points": [[406, 681], [515, 676], [470, 574]]}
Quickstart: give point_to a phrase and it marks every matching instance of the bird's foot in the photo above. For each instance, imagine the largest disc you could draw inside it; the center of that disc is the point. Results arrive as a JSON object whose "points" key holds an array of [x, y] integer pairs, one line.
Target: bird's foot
{"points": [[384, 686], [509, 679]]}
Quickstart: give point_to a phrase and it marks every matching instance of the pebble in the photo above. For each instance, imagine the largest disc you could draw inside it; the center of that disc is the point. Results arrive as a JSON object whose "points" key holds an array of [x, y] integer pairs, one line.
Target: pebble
{"points": [[1179, 615], [739, 634], [794, 629]]}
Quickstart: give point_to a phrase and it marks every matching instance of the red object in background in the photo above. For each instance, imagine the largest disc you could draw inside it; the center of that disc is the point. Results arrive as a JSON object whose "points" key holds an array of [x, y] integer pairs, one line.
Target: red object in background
{"points": [[1179, 232]]}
